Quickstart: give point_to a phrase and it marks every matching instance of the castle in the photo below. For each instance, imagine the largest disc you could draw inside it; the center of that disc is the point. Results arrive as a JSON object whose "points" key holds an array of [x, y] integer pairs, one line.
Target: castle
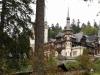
{"points": [[65, 42], [68, 44]]}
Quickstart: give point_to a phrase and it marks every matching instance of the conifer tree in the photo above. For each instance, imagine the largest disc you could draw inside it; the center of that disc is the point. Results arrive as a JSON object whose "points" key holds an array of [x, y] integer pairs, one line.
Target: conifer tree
{"points": [[15, 31], [39, 38]]}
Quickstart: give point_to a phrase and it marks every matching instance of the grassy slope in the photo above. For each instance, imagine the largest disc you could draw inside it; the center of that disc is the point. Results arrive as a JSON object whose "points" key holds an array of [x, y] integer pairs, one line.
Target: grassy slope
{"points": [[96, 74]]}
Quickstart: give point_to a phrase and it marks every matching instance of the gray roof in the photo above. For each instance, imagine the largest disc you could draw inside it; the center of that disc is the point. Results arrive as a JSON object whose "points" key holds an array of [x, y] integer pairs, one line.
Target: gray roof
{"points": [[88, 38], [60, 34], [52, 40], [78, 36], [91, 38]]}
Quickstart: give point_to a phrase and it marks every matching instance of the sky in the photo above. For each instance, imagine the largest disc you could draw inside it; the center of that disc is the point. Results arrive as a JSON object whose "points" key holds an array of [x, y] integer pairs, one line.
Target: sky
{"points": [[56, 11]]}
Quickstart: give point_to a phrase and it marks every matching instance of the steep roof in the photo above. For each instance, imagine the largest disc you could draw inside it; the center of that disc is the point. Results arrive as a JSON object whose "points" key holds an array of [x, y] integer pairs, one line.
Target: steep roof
{"points": [[52, 40], [91, 38], [60, 34], [78, 36]]}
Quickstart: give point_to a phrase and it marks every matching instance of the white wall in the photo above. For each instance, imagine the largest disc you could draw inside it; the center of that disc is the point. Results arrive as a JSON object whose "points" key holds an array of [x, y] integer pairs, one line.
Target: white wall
{"points": [[74, 52], [66, 53], [45, 35], [77, 51], [32, 43]]}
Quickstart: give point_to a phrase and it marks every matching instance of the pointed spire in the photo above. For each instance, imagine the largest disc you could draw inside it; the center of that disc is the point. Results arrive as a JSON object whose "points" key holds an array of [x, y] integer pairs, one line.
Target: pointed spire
{"points": [[68, 18], [68, 13], [68, 26]]}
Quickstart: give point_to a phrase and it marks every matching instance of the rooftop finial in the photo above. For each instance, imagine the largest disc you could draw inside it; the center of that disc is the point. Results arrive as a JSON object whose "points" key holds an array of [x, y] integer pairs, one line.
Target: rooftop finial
{"points": [[68, 26], [68, 13], [68, 18]]}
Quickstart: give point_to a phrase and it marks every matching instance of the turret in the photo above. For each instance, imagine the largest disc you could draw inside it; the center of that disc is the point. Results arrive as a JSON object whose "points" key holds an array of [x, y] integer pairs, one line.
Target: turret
{"points": [[67, 37], [99, 34], [68, 26], [68, 18], [45, 32]]}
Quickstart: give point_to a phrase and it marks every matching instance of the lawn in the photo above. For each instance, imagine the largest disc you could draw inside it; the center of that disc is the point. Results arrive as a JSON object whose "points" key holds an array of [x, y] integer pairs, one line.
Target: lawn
{"points": [[96, 74]]}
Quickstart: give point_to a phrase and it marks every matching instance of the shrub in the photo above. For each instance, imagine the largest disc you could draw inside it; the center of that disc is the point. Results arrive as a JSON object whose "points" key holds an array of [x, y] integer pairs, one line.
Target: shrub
{"points": [[97, 65], [72, 65]]}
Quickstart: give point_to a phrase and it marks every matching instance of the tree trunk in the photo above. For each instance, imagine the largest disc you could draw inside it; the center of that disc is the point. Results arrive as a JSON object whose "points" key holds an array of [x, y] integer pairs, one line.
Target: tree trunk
{"points": [[39, 38], [3, 11], [2, 34]]}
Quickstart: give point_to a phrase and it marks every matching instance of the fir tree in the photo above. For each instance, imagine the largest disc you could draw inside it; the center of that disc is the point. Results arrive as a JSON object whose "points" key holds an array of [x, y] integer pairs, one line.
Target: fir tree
{"points": [[15, 31]]}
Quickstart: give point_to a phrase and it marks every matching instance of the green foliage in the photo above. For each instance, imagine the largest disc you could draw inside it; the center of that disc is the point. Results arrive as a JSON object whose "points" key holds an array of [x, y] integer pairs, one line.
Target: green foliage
{"points": [[54, 30], [73, 65], [51, 64], [51, 61], [97, 65], [89, 30], [14, 33], [76, 27], [85, 61]]}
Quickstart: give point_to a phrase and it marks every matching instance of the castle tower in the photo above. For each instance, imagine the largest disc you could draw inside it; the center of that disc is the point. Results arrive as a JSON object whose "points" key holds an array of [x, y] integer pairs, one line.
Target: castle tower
{"points": [[99, 34], [68, 26], [99, 40], [45, 32], [67, 36]]}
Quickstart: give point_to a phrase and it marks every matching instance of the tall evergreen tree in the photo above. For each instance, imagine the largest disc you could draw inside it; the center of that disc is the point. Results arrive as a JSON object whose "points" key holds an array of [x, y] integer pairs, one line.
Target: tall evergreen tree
{"points": [[54, 30], [95, 25], [83, 26], [75, 27], [52, 27], [78, 22], [78, 26], [88, 23], [14, 30], [88, 29], [39, 37]]}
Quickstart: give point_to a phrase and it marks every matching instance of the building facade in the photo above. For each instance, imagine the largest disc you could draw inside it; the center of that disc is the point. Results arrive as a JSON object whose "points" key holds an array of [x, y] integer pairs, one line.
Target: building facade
{"points": [[64, 42]]}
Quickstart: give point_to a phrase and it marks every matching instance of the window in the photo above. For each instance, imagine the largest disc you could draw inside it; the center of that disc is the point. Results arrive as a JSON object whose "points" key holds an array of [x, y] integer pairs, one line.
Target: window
{"points": [[74, 53], [66, 53]]}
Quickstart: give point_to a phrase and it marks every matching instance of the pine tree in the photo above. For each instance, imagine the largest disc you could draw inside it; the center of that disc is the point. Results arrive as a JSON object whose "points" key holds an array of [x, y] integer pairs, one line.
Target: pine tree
{"points": [[88, 29], [95, 25], [75, 27], [39, 38], [15, 31], [54, 30]]}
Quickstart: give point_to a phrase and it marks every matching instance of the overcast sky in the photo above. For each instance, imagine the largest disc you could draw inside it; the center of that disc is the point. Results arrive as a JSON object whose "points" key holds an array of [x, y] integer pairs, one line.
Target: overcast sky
{"points": [[56, 11]]}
